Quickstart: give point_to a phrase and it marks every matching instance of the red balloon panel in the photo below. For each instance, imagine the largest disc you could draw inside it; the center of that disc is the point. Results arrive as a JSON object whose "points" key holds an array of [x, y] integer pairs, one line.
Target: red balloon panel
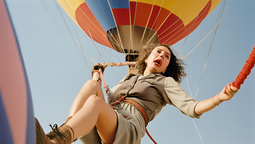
{"points": [[121, 16], [173, 34]]}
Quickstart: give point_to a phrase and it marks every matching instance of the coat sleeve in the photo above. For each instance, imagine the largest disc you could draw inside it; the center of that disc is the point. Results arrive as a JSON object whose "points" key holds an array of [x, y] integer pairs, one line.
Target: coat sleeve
{"points": [[176, 96]]}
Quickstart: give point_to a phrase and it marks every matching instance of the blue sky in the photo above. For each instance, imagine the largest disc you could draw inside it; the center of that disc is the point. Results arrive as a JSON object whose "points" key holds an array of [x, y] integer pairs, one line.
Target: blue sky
{"points": [[56, 71]]}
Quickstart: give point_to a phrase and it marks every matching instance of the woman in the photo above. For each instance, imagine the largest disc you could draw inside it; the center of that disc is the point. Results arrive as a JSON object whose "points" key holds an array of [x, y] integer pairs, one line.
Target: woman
{"points": [[135, 101]]}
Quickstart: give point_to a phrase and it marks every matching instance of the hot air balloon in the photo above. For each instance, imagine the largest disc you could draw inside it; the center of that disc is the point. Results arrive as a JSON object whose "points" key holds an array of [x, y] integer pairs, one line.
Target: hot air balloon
{"points": [[16, 110], [128, 25]]}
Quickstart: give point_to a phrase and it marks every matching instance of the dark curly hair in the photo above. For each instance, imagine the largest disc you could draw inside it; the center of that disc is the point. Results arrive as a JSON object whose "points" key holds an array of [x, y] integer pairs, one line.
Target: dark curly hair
{"points": [[174, 69]]}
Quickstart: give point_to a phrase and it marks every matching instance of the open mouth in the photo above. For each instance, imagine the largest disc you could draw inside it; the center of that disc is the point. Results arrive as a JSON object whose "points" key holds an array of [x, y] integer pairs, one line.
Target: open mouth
{"points": [[157, 62]]}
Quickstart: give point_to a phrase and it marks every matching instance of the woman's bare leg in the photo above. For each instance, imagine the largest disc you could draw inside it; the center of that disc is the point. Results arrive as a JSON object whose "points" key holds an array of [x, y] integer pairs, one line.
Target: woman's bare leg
{"points": [[91, 87], [95, 112], [89, 109]]}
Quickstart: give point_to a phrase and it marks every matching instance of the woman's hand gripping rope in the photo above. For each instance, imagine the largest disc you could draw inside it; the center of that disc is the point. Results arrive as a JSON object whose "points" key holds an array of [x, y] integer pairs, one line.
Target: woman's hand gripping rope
{"points": [[97, 74], [228, 92], [98, 69]]}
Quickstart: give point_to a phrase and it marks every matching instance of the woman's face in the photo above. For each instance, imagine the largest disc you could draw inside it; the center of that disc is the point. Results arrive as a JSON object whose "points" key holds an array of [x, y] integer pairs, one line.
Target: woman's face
{"points": [[158, 60]]}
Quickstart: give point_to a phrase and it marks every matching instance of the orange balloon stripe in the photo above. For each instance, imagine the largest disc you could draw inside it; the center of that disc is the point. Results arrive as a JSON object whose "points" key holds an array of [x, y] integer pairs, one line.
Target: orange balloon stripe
{"points": [[142, 14], [89, 24]]}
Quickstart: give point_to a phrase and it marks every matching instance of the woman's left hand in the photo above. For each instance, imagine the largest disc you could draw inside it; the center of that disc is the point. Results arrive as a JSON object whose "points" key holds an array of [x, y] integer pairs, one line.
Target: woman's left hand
{"points": [[227, 93]]}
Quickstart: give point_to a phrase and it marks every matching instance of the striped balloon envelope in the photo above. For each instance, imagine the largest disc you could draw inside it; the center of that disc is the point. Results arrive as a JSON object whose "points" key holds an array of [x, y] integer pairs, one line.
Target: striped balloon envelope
{"points": [[16, 110], [128, 25]]}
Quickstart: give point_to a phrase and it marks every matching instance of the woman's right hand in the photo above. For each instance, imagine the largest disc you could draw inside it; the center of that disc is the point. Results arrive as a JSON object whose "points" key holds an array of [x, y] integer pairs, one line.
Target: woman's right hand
{"points": [[97, 67]]}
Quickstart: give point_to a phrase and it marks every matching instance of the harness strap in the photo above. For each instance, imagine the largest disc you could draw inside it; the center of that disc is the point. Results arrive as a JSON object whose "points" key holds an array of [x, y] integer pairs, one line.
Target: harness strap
{"points": [[121, 98], [150, 136], [140, 109]]}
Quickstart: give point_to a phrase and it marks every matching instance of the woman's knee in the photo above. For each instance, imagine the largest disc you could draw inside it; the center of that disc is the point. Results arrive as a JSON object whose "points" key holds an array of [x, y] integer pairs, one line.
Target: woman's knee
{"points": [[92, 84], [92, 87], [94, 100]]}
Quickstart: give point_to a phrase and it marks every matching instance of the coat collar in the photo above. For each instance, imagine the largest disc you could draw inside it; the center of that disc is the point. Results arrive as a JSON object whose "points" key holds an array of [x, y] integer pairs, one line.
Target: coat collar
{"points": [[149, 76]]}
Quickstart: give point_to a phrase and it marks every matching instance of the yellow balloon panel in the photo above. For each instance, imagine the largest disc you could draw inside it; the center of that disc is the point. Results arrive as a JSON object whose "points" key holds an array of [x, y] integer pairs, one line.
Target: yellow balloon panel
{"points": [[70, 7]]}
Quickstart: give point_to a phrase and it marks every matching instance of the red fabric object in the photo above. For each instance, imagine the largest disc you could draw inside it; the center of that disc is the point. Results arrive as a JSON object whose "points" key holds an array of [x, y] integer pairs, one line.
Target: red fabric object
{"points": [[245, 70]]}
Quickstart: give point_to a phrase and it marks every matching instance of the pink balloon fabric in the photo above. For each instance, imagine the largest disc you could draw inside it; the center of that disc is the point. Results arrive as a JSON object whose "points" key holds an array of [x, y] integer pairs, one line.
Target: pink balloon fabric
{"points": [[16, 110]]}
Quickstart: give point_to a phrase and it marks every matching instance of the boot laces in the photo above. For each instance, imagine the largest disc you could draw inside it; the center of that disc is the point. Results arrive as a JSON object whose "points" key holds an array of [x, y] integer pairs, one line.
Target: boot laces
{"points": [[55, 132]]}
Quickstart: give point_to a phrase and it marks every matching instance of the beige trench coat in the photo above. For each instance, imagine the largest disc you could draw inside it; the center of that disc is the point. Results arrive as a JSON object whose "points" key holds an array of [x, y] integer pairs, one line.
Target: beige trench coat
{"points": [[152, 92]]}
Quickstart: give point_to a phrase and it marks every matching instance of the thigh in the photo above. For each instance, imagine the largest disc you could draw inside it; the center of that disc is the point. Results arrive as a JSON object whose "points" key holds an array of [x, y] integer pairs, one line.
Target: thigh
{"points": [[91, 87], [95, 112], [107, 123]]}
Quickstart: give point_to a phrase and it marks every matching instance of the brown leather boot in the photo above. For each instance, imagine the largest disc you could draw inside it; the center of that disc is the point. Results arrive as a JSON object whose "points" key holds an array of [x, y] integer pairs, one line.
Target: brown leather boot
{"points": [[62, 135]]}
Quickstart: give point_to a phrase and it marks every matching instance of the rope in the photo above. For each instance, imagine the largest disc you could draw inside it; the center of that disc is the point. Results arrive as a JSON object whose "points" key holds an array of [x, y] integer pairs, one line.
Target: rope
{"points": [[51, 18], [106, 87], [210, 31], [245, 70], [117, 64], [215, 31]]}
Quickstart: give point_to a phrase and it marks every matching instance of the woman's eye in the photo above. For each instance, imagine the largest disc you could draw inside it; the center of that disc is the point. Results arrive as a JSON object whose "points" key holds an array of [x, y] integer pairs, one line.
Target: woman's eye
{"points": [[167, 56], [158, 51]]}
